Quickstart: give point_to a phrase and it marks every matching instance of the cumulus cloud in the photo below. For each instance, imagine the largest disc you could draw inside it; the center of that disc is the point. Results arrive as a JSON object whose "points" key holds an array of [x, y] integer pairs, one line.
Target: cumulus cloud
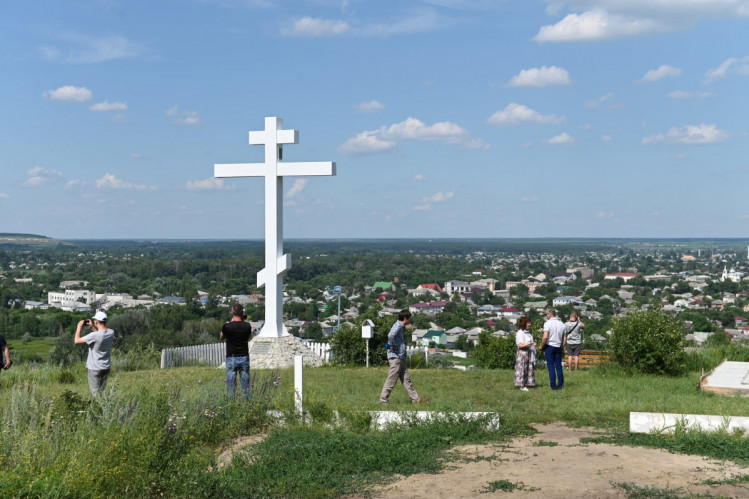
{"points": [[606, 138], [188, 118], [316, 27], [106, 106], [562, 138], [595, 24], [109, 181], [69, 93], [663, 71], [75, 48], [681, 94], [297, 188], [603, 214], [4, 195], [386, 138], [689, 135], [417, 21], [591, 20], [371, 106], [729, 66], [211, 183], [439, 197], [605, 101], [38, 176], [545, 76], [516, 114]]}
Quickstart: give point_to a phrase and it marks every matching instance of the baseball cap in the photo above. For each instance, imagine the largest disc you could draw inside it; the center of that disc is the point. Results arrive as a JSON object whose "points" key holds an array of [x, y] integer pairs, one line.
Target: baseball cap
{"points": [[100, 316]]}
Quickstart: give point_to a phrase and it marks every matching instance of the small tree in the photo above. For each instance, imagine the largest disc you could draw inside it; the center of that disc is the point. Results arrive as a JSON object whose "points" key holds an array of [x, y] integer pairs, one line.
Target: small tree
{"points": [[649, 342]]}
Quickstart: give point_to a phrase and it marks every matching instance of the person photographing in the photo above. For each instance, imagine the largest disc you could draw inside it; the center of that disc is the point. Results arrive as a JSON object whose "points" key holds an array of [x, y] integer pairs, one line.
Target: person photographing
{"points": [[99, 342]]}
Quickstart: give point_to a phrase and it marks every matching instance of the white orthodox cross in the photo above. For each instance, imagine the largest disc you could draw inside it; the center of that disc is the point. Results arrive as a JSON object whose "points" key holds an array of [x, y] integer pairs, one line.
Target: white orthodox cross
{"points": [[274, 170]]}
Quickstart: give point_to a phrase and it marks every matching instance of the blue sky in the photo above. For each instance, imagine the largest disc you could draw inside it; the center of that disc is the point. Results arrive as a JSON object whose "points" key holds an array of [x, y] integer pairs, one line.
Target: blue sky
{"points": [[446, 118]]}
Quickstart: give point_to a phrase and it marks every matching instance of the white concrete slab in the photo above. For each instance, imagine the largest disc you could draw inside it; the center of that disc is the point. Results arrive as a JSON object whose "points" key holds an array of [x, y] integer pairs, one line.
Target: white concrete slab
{"points": [[659, 422], [729, 377], [383, 419]]}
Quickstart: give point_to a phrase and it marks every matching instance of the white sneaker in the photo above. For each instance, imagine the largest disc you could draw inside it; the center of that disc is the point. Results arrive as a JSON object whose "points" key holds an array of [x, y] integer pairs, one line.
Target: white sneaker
{"points": [[523, 389]]}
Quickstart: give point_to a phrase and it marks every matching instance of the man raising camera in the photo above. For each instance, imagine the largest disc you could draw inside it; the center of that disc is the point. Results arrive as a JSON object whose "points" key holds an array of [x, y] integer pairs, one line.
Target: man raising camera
{"points": [[99, 342]]}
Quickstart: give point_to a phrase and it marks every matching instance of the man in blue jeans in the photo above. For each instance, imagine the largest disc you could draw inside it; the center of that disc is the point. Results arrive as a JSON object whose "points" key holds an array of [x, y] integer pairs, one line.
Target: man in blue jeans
{"points": [[237, 333], [553, 346]]}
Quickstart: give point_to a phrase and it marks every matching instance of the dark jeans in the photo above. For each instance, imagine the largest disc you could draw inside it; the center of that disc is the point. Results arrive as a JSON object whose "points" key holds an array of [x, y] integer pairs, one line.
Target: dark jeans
{"points": [[554, 364], [234, 366]]}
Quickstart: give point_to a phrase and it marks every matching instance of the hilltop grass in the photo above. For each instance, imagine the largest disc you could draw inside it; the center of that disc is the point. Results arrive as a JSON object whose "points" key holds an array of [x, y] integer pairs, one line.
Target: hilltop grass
{"points": [[36, 350], [165, 428]]}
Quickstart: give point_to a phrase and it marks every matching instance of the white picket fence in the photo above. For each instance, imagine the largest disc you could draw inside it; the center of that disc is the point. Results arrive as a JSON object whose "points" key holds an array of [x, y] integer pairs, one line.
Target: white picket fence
{"points": [[214, 354]]}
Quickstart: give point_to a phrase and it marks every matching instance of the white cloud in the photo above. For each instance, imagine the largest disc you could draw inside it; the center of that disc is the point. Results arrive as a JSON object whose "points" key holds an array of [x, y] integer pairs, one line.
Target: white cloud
{"points": [[297, 188], [82, 49], [544, 76], [109, 181], [531, 199], [605, 19], [604, 102], [366, 143], [596, 24], [69, 93], [189, 118], [211, 183], [607, 138], [4, 195], [681, 94], [106, 106], [371, 106], [38, 176], [315, 27], [386, 138], [562, 138], [730, 65], [690, 134], [439, 197], [419, 177], [516, 114], [603, 214], [663, 71], [418, 21], [586, 126]]}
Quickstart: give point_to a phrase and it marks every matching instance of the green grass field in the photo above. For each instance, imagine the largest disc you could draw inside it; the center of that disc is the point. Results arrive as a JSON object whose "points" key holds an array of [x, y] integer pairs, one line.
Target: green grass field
{"points": [[36, 350], [166, 427]]}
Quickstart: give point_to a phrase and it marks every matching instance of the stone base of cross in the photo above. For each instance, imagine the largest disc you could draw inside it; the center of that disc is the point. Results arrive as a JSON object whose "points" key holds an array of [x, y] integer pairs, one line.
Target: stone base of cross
{"points": [[274, 170]]}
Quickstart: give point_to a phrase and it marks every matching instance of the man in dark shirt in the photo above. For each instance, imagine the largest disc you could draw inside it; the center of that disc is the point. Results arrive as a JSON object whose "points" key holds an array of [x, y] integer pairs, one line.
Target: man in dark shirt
{"points": [[237, 334]]}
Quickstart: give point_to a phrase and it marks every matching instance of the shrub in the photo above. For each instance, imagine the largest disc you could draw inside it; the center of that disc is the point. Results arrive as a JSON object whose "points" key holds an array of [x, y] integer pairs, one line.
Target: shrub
{"points": [[66, 377], [495, 352], [648, 342]]}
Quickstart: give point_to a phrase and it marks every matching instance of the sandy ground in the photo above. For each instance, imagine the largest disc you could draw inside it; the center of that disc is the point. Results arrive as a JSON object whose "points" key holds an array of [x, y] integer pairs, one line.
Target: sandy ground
{"points": [[569, 469]]}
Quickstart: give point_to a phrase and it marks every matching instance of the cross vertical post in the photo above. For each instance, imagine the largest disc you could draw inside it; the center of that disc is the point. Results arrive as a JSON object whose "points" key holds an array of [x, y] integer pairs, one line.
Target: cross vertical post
{"points": [[274, 169]]}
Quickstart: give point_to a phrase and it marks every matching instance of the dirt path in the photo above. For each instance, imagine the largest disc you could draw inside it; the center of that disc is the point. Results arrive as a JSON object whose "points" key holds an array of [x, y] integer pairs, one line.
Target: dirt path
{"points": [[569, 469]]}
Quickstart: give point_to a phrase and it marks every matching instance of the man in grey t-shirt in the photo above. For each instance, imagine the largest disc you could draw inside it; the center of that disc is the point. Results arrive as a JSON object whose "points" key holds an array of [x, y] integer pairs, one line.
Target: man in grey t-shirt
{"points": [[99, 342], [574, 332]]}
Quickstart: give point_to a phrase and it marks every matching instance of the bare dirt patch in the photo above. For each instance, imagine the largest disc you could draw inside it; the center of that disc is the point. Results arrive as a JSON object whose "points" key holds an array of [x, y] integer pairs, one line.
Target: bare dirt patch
{"points": [[567, 469], [225, 455]]}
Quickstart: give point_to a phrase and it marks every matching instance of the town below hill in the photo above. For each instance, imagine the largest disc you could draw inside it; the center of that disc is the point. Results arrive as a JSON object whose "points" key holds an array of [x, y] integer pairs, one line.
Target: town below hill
{"points": [[170, 293]]}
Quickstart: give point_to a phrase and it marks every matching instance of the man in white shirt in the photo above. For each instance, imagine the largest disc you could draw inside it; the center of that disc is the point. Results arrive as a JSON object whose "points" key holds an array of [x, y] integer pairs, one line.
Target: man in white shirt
{"points": [[553, 346]]}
